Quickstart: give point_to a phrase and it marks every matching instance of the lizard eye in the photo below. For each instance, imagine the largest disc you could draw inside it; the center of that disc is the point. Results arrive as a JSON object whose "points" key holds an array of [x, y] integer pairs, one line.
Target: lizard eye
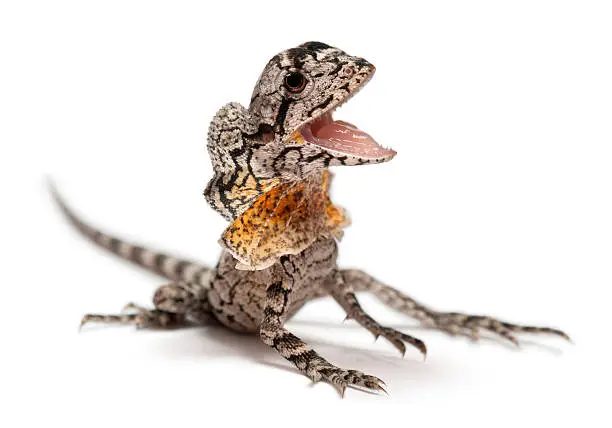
{"points": [[295, 82]]}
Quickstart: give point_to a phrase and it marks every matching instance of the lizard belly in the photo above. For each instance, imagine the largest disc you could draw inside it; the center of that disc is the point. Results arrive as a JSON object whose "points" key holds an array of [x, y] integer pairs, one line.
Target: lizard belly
{"points": [[237, 297]]}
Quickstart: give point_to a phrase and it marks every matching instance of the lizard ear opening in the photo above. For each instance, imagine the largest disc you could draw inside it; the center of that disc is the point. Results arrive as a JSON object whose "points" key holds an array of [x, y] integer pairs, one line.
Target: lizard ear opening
{"points": [[266, 133]]}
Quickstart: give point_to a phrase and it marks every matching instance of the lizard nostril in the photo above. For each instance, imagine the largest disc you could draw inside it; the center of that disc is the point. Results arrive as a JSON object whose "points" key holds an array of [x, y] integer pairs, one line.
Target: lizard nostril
{"points": [[348, 71]]}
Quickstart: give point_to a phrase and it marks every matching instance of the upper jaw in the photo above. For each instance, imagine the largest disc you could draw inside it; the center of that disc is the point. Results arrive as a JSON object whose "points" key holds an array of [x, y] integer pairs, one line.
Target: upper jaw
{"points": [[341, 139]]}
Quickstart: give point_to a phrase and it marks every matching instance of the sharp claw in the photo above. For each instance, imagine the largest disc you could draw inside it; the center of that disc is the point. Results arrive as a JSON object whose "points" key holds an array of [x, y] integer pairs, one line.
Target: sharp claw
{"points": [[562, 334], [424, 352], [84, 321], [400, 347], [421, 347], [511, 339], [417, 343], [554, 331], [377, 387]]}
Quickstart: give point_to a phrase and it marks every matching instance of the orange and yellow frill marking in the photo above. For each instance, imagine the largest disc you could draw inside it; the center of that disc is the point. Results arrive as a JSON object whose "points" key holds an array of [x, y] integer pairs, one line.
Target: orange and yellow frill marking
{"points": [[284, 220]]}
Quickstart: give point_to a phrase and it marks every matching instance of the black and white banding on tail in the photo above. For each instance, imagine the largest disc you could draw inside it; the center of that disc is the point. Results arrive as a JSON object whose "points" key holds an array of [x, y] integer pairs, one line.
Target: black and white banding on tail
{"points": [[162, 264]]}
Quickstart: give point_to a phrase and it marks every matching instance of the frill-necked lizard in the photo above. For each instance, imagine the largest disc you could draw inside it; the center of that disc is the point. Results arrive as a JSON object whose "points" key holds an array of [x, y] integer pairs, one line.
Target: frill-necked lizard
{"points": [[271, 182]]}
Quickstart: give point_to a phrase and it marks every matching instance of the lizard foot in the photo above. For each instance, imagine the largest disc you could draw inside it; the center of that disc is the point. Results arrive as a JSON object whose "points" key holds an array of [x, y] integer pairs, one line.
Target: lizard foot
{"points": [[458, 323], [397, 338], [343, 293], [450, 322], [341, 379], [140, 317]]}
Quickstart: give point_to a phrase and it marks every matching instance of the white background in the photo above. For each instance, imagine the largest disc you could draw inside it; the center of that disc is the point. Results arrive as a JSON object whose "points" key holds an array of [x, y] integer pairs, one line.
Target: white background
{"points": [[498, 202]]}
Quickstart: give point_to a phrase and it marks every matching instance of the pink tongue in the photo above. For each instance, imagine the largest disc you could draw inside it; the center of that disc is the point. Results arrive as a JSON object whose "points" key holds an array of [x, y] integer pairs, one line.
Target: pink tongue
{"points": [[343, 131], [346, 137]]}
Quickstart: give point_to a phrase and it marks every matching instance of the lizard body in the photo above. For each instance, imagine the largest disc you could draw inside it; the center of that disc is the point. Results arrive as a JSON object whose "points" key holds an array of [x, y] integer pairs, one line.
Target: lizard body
{"points": [[271, 182]]}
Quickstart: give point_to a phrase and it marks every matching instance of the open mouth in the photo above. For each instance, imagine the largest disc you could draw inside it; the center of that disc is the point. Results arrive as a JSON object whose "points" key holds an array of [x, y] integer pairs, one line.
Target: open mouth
{"points": [[343, 138]]}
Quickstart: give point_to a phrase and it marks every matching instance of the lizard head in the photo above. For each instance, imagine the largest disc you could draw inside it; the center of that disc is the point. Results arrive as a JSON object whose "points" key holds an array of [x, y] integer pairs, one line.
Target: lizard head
{"points": [[295, 98], [288, 133]]}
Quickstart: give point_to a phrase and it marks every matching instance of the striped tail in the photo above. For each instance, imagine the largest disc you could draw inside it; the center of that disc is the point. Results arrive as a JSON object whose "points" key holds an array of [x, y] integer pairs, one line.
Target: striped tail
{"points": [[167, 266]]}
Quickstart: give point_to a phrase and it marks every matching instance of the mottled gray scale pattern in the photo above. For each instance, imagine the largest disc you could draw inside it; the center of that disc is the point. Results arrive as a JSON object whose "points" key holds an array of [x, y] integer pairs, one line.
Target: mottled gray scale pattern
{"points": [[236, 291], [252, 151]]}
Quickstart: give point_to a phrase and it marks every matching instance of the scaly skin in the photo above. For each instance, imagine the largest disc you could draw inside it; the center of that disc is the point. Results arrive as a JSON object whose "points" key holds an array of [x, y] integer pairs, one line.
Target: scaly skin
{"points": [[272, 185]]}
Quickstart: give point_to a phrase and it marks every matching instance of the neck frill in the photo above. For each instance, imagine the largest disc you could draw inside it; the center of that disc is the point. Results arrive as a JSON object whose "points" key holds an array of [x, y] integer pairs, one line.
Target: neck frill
{"points": [[286, 219]]}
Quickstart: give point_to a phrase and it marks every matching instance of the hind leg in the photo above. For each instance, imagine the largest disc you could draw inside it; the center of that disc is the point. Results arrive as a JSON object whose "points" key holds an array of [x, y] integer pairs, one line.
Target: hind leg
{"points": [[344, 294], [450, 322], [176, 304]]}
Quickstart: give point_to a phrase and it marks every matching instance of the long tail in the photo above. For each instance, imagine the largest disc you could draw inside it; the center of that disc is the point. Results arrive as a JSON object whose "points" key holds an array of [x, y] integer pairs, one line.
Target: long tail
{"points": [[162, 264]]}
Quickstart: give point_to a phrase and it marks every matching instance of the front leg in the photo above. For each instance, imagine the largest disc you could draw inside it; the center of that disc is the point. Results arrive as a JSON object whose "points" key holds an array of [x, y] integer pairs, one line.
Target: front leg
{"points": [[342, 292], [295, 350], [176, 305], [450, 322]]}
